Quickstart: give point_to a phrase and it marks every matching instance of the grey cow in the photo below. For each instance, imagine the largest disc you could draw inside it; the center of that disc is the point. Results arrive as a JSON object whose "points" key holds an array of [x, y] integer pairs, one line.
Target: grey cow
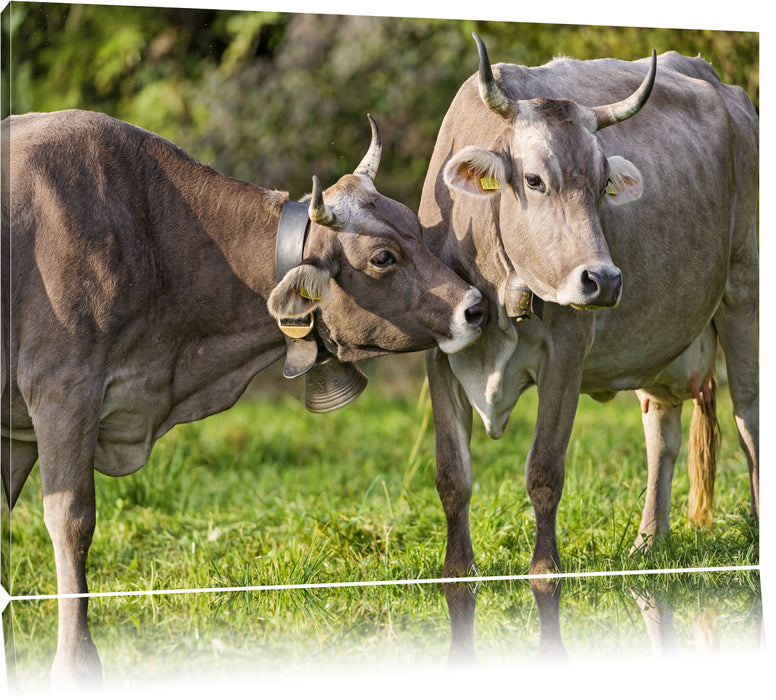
{"points": [[624, 196], [141, 288]]}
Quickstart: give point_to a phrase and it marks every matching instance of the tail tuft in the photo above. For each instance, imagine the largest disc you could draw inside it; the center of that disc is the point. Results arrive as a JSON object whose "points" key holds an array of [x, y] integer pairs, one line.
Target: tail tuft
{"points": [[703, 446]]}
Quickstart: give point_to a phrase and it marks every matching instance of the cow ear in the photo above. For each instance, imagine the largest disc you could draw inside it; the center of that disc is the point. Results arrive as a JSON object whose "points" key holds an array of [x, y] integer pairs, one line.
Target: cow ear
{"points": [[476, 171], [299, 292], [625, 182]]}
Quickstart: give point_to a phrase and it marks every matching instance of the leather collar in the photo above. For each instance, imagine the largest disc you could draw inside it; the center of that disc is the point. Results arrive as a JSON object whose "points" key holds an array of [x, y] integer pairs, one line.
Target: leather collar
{"points": [[292, 231], [301, 352]]}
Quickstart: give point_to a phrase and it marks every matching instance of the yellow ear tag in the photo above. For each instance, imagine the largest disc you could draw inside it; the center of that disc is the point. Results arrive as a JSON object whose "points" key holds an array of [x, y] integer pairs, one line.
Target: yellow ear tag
{"points": [[306, 294], [610, 188], [490, 183]]}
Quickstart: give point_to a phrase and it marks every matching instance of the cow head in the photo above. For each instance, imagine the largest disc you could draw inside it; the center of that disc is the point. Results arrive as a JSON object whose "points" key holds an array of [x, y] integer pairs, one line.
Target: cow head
{"points": [[372, 283], [551, 177]]}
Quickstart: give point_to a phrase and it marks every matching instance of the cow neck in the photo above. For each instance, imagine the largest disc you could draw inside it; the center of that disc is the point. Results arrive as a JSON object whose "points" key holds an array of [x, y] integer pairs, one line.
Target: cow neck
{"points": [[293, 226], [495, 275]]}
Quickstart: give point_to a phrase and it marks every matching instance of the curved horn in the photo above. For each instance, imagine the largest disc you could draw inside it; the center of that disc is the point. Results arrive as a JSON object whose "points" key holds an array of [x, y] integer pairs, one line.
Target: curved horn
{"points": [[492, 95], [620, 111], [320, 213], [371, 161]]}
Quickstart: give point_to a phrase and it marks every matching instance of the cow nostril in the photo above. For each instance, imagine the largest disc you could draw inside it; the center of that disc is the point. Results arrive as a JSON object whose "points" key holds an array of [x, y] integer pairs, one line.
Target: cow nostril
{"points": [[602, 287], [590, 283], [477, 314]]}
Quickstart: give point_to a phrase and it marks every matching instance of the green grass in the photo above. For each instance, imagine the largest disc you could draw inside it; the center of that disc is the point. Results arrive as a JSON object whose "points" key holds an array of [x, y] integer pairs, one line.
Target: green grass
{"points": [[267, 493]]}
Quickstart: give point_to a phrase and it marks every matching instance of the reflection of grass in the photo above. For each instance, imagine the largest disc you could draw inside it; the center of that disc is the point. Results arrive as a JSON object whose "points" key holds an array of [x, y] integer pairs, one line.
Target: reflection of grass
{"points": [[279, 631], [359, 629], [740, 589], [702, 612], [600, 618]]}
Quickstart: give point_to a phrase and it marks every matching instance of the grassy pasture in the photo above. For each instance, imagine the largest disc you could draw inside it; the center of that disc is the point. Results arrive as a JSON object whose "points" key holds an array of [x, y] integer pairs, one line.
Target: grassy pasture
{"points": [[267, 493]]}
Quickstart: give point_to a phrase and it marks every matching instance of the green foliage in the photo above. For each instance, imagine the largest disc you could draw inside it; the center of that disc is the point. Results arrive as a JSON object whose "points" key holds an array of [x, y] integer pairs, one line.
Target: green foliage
{"points": [[274, 98]]}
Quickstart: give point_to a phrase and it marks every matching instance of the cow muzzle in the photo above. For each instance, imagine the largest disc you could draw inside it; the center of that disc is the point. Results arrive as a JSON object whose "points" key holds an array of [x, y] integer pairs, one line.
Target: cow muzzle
{"points": [[592, 287], [466, 326]]}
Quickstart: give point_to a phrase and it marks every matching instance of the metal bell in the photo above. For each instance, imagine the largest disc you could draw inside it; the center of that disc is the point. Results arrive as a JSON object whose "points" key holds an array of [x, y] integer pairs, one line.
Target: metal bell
{"points": [[331, 384], [517, 298]]}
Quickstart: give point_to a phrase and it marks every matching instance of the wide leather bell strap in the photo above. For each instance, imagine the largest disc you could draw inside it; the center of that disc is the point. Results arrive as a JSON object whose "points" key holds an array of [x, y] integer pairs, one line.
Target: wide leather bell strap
{"points": [[301, 352], [292, 231]]}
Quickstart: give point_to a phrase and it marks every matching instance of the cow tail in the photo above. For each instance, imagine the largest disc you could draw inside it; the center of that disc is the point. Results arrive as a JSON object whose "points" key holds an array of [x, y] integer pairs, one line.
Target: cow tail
{"points": [[702, 466]]}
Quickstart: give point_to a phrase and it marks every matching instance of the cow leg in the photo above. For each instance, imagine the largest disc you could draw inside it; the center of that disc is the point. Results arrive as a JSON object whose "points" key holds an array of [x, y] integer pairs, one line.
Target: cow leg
{"points": [[659, 621], [545, 473], [461, 599], [66, 453], [558, 383], [453, 425], [663, 432], [738, 335], [547, 593], [69, 514]]}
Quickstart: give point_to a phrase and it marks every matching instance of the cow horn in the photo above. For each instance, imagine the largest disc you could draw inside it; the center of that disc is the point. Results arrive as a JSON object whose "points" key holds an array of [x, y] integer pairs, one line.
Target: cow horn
{"points": [[320, 212], [371, 161], [492, 95], [620, 111]]}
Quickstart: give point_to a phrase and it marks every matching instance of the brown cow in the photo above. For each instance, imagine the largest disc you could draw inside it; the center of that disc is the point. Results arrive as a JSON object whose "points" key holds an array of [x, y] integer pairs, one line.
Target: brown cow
{"points": [[636, 221], [142, 293]]}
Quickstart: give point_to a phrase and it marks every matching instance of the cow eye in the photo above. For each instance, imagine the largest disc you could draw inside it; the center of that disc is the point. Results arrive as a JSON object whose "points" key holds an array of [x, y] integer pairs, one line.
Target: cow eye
{"points": [[383, 258], [534, 182]]}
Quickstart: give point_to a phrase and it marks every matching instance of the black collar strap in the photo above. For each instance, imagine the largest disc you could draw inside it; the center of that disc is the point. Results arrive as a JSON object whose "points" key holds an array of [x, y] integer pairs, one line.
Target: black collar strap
{"points": [[301, 352], [292, 230]]}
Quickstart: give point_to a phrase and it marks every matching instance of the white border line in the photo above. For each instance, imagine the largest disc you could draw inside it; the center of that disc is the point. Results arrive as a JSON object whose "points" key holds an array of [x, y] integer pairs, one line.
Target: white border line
{"points": [[399, 582]]}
